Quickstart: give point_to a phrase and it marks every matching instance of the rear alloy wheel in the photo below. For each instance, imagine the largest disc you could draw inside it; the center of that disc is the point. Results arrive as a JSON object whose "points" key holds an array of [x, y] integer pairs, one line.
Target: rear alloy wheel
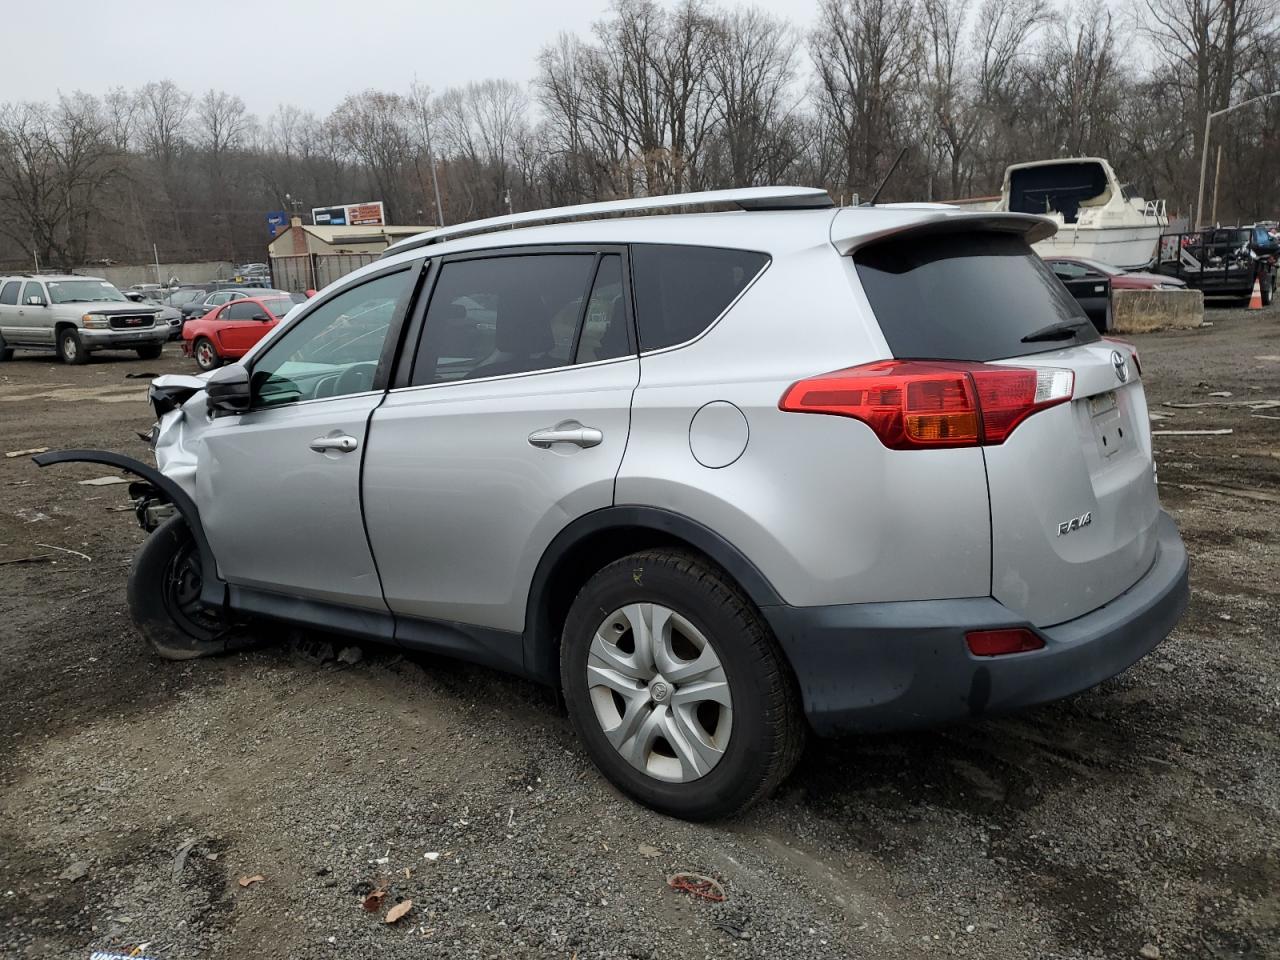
{"points": [[206, 354], [70, 348], [165, 582], [677, 687]]}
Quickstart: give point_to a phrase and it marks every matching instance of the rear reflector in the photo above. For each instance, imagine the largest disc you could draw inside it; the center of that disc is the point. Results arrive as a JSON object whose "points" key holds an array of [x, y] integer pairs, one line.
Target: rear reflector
{"points": [[997, 643], [914, 404]]}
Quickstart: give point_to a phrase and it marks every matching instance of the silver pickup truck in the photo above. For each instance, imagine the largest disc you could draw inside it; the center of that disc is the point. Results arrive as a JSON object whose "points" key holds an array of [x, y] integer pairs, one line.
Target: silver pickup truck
{"points": [[75, 316]]}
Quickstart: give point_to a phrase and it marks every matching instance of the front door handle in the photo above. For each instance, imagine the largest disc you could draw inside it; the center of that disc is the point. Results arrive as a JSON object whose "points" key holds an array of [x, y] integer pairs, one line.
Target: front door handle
{"points": [[568, 431], [342, 444]]}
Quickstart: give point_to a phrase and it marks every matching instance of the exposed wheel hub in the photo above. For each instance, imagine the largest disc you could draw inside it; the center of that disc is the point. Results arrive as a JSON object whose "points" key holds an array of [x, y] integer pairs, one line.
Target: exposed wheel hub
{"points": [[660, 692]]}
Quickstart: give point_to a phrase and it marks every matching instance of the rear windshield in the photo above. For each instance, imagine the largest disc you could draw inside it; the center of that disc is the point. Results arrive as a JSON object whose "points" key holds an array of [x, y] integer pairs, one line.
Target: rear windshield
{"points": [[966, 297]]}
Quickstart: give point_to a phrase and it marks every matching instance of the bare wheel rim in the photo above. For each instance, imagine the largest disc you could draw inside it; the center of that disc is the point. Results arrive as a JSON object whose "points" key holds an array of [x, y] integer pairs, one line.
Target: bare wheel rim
{"points": [[659, 692], [69, 347], [180, 592]]}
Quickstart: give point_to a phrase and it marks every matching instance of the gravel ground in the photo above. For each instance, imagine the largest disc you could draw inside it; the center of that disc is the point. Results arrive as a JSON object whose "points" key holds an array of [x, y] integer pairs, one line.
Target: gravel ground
{"points": [[1140, 816]]}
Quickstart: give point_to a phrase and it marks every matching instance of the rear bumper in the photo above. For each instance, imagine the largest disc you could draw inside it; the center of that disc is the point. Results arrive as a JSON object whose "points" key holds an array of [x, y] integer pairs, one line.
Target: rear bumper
{"points": [[895, 666]]}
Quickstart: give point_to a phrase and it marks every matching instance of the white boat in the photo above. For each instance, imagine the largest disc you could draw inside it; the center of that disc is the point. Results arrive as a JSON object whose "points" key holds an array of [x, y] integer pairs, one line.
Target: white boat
{"points": [[1097, 216]]}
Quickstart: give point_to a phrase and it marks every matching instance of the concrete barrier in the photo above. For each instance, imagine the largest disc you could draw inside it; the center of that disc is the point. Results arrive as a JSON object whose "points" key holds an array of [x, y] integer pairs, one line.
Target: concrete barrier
{"points": [[1141, 311]]}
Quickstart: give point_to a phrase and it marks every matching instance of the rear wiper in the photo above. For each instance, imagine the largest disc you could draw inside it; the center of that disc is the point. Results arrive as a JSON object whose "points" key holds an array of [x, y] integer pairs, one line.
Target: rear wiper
{"points": [[1061, 330]]}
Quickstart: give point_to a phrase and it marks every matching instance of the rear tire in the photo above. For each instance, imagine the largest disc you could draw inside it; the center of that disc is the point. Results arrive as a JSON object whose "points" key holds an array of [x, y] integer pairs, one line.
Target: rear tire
{"points": [[6, 351], [152, 352], [750, 732], [163, 593], [1268, 286], [70, 347], [206, 354]]}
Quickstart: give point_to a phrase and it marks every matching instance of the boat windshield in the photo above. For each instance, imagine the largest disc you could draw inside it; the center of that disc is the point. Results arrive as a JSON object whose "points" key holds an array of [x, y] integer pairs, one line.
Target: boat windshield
{"points": [[1059, 188]]}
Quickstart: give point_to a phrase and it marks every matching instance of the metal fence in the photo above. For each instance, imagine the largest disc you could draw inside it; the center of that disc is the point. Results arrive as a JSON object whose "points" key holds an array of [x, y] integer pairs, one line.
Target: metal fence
{"points": [[314, 271]]}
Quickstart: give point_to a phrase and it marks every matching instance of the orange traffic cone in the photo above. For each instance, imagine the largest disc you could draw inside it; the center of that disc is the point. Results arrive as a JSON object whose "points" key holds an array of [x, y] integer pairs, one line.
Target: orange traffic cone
{"points": [[1255, 301]]}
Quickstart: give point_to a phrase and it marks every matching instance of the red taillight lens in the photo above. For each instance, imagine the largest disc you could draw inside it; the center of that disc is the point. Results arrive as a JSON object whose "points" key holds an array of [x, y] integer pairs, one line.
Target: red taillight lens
{"points": [[997, 643], [914, 404]]}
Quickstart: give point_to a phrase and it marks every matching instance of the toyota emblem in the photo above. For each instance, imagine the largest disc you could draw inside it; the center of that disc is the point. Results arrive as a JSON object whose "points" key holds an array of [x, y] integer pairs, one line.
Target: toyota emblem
{"points": [[1121, 363]]}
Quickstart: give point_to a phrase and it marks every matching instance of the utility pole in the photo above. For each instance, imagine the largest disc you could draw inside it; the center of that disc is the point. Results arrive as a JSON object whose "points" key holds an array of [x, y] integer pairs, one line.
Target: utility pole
{"points": [[1217, 178], [1204, 147]]}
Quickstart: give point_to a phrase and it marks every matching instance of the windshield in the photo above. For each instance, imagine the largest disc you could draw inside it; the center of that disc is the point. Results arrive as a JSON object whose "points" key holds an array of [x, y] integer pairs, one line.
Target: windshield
{"points": [[84, 291], [966, 297]]}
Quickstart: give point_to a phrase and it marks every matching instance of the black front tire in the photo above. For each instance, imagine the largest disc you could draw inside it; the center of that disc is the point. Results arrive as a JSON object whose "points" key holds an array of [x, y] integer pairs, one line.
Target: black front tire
{"points": [[1268, 286], [71, 348], [152, 352], [206, 354], [768, 729], [163, 593]]}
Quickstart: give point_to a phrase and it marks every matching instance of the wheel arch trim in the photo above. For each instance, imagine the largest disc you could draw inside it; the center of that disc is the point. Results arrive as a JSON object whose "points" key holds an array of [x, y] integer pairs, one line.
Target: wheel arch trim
{"points": [[214, 590], [541, 645]]}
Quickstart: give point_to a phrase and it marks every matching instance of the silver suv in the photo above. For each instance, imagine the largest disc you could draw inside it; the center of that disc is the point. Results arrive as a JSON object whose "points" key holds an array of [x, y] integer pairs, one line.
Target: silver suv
{"points": [[75, 316], [721, 477]]}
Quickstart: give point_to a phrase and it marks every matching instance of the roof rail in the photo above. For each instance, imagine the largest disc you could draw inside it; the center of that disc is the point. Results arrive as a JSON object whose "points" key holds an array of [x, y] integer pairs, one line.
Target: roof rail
{"points": [[745, 198]]}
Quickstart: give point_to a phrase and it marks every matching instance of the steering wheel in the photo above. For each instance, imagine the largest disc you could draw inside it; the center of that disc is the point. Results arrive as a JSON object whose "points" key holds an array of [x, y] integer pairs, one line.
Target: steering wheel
{"points": [[355, 379]]}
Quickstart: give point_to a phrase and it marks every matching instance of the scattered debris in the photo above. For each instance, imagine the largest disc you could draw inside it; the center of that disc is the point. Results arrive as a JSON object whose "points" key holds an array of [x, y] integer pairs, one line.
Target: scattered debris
{"points": [[74, 553], [308, 648], [350, 655], [141, 376], [26, 453], [180, 858], [1220, 393], [698, 885], [1149, 951], [103, 481], [31, 516], [1158, 416], [249, 881], [647, 851], [399, 910], [1192, 433], [732, 930], [433, 856], [373, 902], [38, 558], [75, 871]]}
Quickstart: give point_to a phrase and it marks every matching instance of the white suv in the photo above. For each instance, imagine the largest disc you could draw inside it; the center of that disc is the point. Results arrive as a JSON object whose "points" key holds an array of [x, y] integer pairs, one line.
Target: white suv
{"points": [[721, 477], [75, 316]]}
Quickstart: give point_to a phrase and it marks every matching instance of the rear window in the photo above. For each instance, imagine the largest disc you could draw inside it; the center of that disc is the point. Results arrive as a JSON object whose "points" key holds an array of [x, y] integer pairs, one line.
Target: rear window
{"points": [[679, 291], [966, 297]]}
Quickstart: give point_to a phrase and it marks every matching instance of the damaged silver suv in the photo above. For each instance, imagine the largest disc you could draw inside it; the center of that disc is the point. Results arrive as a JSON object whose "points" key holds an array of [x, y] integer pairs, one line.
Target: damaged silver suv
{"points": [[723, 478]]}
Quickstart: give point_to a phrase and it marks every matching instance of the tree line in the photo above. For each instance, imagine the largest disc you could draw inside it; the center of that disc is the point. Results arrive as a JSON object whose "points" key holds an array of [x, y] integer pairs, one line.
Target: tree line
{"points": [[660, 99]]}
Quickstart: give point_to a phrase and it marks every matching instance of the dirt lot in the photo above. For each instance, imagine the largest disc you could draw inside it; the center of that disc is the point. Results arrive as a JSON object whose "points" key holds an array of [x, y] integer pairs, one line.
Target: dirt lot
{"points": [[1142, 815]]}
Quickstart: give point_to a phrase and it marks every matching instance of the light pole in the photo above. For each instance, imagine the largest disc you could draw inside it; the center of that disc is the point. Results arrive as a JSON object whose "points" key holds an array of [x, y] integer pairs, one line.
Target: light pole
{"points": [[1204, 146]]}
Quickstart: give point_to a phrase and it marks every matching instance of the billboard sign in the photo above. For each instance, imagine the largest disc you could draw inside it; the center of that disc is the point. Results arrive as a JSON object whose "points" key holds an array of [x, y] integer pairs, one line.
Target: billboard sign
{"points": [[369, 214], [277, 221]]}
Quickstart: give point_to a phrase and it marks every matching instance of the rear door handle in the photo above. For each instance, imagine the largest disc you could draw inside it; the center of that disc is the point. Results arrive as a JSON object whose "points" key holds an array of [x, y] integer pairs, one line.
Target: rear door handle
{"points": [[569, 431], [342, 444]]}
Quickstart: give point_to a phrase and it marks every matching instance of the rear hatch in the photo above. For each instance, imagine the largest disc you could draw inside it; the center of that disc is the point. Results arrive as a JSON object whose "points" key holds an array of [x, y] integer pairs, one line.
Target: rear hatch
{"points": [[1072, 488]]}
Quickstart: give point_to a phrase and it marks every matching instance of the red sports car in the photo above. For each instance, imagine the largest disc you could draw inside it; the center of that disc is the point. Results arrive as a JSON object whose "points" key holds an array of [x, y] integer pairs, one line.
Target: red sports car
{"points": [[227, 332]]}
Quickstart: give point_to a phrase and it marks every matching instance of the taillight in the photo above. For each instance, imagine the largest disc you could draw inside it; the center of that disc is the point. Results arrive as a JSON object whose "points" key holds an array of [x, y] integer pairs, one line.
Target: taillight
{"points": [[1137, 361], [998, 643], [914, 404]]}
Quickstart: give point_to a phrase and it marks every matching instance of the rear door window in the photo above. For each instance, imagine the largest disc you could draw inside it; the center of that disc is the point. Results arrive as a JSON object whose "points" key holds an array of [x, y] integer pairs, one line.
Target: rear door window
{"points": [[966, 297], [9, 295], [680, 291], [495, 316]]}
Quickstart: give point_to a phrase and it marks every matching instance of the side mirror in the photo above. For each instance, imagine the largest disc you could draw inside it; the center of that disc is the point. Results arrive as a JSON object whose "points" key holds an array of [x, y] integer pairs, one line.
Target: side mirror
{"points": [[227, 390], [262, 316]]}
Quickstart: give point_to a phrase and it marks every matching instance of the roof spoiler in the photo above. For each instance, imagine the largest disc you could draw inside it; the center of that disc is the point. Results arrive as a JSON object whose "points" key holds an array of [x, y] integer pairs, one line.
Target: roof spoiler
{"points": [[860, 227]]}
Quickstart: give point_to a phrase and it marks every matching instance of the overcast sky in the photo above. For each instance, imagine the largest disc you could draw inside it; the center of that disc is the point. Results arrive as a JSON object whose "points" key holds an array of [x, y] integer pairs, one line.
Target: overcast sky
{"points": [[309, 53]]}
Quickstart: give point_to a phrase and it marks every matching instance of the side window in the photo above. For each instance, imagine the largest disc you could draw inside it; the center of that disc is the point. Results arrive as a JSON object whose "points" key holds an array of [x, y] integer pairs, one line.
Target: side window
{"points": [[604, 326], [502, 315], [33, 289], [9, 295], [240, 311], [1068, 271], [334, 350], [218, 298], [680, 291]]}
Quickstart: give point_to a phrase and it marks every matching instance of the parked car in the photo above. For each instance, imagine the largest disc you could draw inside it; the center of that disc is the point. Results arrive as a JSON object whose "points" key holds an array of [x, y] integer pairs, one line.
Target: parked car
{"points": [[1091, 282], [227, 332], [1221, 262], [167, 314], [184, 295], [216, 298], [75, 316], [722, 478]]}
